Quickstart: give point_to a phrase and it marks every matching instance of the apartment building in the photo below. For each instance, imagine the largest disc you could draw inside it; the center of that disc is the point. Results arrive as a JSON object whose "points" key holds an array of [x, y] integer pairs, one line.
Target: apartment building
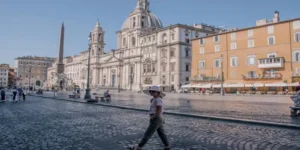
{"points": [[267, 53], [4, 73]]}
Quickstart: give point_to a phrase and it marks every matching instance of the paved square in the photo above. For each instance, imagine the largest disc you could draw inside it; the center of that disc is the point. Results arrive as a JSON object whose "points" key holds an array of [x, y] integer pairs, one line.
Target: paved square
{"points": [[41, 123]]}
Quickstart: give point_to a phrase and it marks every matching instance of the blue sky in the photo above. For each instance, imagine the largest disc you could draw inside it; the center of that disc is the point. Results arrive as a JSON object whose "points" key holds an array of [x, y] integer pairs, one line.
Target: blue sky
{"points": [[31, 27]]}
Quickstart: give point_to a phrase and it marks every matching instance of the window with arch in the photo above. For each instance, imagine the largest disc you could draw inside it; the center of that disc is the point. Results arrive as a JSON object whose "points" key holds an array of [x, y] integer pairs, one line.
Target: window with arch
{"points": [[124, 41], [142, 23], [133, 42], [99, 37], [164, 39], [173, 36], [133, 21]]}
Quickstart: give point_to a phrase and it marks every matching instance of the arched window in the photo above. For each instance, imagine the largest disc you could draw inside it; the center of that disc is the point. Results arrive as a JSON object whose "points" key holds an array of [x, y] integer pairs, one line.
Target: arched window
{"points": [[164, 39], [99, 37], [142, 23], [133, 41], [133, 21]]}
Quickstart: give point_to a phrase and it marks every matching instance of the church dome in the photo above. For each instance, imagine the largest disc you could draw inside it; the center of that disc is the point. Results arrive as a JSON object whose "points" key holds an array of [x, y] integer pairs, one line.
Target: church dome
{"points": [[151, 22], [148, 20]]}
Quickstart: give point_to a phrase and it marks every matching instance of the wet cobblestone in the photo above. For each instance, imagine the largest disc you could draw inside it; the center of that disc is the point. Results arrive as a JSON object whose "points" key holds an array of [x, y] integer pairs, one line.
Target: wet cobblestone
{"points": [[263, 108], [41, 123]]}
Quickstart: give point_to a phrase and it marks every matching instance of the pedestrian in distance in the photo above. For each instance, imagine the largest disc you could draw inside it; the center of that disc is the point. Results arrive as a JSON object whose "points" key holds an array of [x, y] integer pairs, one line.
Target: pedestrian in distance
{"points": [[157, 120], [2, 94], [24, 94], [20, 91], [15, 92]]}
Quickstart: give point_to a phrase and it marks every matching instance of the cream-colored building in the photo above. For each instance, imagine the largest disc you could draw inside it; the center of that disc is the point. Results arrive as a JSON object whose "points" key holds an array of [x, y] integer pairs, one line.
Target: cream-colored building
{"points": [[32, 70], [147, 54], [4, 74]]}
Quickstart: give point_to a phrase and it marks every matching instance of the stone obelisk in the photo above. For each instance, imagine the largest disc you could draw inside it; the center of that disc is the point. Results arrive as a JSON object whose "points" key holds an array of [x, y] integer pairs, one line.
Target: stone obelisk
{"points": [[60, 64]]}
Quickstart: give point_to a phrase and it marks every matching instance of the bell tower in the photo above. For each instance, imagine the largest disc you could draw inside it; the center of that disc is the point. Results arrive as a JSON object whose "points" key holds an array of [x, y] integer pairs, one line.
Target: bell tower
{"points": [[97, 40]]}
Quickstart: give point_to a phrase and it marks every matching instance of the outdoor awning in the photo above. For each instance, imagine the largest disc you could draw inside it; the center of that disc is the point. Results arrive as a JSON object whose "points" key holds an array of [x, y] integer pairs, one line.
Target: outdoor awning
{"points": [[196, 86], [186, 86], [255, 85], [294, 84], [219, 85], [206, 86], [236, 85], [280, 84]]}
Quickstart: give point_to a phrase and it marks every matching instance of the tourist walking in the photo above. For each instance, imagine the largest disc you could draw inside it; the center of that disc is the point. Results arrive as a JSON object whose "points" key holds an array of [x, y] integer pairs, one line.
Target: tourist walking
{"points": [[157, 120], [15, 92], [2, 92], [20, 91]]}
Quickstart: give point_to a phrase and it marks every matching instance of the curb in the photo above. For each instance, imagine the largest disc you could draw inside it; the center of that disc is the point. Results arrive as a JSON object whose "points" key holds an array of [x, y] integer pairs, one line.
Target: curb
{"points": [[226, 119]]}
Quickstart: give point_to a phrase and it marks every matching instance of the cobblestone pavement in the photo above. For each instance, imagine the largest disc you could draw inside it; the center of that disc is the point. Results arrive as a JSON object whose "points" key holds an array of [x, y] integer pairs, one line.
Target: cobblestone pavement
{"points": [[40, 123], [263, 108]]}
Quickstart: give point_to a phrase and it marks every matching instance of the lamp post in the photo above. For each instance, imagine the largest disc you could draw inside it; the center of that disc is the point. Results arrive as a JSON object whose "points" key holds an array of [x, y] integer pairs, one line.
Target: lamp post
{"points": [[222, 77], [87, 95]]}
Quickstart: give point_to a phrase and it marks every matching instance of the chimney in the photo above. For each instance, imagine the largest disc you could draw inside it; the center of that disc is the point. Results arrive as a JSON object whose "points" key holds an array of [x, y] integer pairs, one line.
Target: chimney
{"points": [[276, 17]]}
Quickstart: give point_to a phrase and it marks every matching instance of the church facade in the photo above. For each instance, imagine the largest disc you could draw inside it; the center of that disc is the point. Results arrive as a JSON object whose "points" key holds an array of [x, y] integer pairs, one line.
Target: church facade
{"points": [[147, 54]]}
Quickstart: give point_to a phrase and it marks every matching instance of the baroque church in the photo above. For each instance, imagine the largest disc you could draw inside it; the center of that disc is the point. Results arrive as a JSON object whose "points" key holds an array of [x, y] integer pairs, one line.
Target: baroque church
{"points": [[147, 54]]}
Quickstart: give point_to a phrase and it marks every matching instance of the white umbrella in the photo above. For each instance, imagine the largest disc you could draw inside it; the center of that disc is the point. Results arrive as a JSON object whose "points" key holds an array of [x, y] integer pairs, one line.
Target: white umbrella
{"points": [[219, 85], [236, 85], [280, 84], [206, 86], [255, 85]]}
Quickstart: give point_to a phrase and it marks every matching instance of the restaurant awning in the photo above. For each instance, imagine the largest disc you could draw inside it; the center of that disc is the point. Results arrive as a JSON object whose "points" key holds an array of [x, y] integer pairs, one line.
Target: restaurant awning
{"points": [[255, 85], [236, 85], [294, 84], [206, 86], [280, 84], [186, 86], [219, 85]]}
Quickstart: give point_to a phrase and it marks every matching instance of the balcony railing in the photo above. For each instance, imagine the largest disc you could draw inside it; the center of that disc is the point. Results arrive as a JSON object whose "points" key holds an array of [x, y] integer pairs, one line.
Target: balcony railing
{"points": [[206, 79], [268, 76], [277, 62]]}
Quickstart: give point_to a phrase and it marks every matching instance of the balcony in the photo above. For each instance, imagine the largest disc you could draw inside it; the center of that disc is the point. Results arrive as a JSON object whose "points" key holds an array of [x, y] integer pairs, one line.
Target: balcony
{"points": [[277, 62], [267, 76], [206, 79]]}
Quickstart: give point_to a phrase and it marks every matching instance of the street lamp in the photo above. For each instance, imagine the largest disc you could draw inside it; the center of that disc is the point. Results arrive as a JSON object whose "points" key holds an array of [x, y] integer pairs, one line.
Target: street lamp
{"points": [[87, 91], [222, 77], [29, 73]]}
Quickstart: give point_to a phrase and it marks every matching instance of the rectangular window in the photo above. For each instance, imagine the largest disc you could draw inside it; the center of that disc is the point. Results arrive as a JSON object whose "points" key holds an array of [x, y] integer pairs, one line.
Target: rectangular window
{"points": [[187, 40], [201, 50], [271, 40], [251, 60], [201, 64], [297, 37], [296, 24], [296, 56], [233, 36], [250, 33], [172, 78], [233, 46], [164, 67], [233, 74], [187, 67], [250, 43], [187, 79], [233, 61], [172, 65], [187, 53], [217, 38], [217, 63], [172, 53], [217, 48], [202, 41], [270, 29]]}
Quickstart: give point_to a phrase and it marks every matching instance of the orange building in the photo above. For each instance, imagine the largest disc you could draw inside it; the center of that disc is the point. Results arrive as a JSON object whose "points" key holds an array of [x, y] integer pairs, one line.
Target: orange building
{"points": [[267, 53]]}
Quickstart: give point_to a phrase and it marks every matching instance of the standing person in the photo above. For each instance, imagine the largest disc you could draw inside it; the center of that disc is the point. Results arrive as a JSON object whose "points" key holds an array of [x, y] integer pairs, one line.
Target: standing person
{"points": [[20, 91], [15, 92], [156, 119], [24, 94], [2, 94]]}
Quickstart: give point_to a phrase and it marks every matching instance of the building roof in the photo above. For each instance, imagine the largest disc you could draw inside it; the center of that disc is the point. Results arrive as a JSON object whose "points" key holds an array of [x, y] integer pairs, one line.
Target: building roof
{"points": [[248, 28], [35, 58]]}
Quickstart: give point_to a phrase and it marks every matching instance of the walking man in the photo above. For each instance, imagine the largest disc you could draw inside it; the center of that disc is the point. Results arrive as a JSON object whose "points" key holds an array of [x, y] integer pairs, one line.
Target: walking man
{"points": [[15, 91], [2, 94]]}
